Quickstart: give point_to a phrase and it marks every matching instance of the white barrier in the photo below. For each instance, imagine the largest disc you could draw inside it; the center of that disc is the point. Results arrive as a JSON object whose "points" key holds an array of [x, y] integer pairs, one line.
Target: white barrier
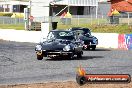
{"points": [[20, 35], [45, 29], [105, 40]]}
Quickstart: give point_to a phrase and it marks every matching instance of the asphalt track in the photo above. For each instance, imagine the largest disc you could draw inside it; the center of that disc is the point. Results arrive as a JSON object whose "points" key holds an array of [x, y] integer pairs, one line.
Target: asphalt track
{"points": [[18, 64]]}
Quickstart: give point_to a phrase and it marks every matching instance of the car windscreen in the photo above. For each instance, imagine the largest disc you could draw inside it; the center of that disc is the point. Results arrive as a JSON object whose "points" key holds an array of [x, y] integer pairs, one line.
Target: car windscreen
{"points": [[85, 30], [61, 35]]}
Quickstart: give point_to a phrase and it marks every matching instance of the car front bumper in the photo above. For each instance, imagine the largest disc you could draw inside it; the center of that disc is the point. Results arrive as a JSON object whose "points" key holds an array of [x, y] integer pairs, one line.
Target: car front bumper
{"points": [[89, 45], [54, 53], [57, 54]]}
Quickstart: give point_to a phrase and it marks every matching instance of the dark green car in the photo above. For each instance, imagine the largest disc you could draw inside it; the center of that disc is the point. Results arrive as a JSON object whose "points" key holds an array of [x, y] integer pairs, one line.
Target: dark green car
{"points": [[90, 42], [59, 44]]}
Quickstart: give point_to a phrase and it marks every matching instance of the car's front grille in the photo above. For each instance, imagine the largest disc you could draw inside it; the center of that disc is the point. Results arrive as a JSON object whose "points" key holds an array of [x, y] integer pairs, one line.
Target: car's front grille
{"points": [[57, 53], [53, 50]]}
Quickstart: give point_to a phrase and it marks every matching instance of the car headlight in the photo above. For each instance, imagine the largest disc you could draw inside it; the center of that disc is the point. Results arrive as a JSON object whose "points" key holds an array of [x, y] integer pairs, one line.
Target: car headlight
{"points": [[38, 47], [95, 41], [67, 48]]}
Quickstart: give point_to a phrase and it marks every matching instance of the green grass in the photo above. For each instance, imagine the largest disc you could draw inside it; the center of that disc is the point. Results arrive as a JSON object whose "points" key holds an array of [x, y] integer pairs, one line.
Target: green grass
{"points": [[112, 29], [94, 28], [11, 26], [103, 28]]}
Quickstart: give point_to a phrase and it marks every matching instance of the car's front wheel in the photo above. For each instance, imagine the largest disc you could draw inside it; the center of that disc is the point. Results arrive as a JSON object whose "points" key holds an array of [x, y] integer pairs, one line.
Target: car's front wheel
{"points": [[70, 56], [94, 47], [39, 57], [79, 55]]}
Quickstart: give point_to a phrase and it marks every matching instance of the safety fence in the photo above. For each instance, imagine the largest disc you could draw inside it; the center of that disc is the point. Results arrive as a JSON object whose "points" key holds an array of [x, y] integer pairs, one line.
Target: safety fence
{"points": [[9, 20], [87, 19], [74, 20]]}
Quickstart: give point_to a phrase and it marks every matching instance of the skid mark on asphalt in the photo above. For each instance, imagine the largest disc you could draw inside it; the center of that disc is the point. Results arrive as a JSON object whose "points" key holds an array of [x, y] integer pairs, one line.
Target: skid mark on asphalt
{"points": [[6, 61]]}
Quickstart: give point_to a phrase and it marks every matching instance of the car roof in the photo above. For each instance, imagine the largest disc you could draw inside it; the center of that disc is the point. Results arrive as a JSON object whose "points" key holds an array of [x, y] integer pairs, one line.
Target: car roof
{"points": [[79, 28], [58, 30]]}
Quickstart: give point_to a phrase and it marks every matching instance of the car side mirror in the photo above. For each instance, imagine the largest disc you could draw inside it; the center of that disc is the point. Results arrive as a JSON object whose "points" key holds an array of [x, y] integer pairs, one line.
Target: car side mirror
{"points": [[42, 40], [87, 34]]}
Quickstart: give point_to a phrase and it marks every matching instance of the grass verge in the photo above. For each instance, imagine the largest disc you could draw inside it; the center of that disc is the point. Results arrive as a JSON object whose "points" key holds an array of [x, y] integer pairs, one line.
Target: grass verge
{"points": [[103, 28], [12, 26], [121, 29]]}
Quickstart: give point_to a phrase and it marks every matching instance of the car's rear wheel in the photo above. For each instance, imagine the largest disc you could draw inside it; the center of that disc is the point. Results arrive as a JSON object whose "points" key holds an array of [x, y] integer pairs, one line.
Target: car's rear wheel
{"points": [[39, 57], [94, 47]]}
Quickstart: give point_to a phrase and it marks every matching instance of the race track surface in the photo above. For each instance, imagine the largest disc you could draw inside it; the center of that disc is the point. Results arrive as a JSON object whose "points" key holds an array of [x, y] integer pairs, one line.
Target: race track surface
{"points": [[18, 64]]}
